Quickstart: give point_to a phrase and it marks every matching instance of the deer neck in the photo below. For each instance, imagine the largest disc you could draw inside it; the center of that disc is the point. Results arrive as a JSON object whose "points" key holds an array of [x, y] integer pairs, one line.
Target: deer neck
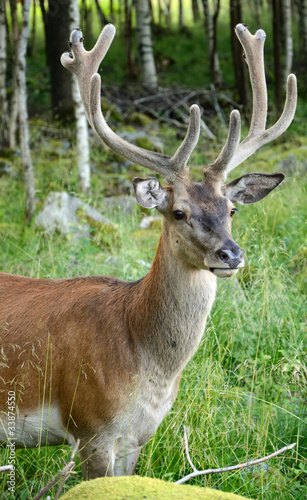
{"points": [[174, 301]]}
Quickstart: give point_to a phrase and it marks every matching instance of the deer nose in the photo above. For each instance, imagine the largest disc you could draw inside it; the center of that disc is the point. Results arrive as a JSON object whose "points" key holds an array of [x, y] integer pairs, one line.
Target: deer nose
{"points": [[231, 255]]}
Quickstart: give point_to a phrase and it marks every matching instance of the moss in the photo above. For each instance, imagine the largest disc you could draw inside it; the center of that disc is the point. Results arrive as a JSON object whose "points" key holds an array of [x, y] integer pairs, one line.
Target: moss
{"points": [[136, 488], [140, 119]]}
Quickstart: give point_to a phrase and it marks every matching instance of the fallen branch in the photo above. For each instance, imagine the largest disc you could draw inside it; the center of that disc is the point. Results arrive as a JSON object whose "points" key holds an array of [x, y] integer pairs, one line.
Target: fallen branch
{"points": [[5, 468], [225, 469], [64, 473]]}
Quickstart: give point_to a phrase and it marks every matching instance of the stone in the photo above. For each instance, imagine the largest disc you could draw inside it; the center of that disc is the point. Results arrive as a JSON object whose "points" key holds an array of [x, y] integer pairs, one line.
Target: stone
{"points": [[68, 215]]}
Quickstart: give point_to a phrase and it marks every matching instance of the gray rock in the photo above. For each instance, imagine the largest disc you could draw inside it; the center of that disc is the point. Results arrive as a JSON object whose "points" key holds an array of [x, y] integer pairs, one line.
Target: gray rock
{"points": [[65, 213], [147, 221], [119, 204]]}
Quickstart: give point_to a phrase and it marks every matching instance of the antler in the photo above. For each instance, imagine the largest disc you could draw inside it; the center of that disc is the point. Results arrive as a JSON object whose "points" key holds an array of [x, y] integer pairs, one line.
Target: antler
{"points": [[85, 66], [233, 153]]}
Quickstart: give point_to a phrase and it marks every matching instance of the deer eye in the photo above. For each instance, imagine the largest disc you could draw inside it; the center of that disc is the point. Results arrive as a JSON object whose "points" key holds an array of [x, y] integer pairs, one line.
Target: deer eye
{"points": [[233, 211], [178, 214]]}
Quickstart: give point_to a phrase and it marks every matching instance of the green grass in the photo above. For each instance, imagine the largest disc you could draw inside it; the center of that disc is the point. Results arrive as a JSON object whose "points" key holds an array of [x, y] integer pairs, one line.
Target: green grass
{"points": [[242, 396]]}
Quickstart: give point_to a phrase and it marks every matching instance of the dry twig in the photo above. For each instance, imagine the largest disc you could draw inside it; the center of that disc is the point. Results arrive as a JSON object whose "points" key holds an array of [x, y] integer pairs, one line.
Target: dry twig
{"points": [[5, 468], [64, 473], [225, 469]]}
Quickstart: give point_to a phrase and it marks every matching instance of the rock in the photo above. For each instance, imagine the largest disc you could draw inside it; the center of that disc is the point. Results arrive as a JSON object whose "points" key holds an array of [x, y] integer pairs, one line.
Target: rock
{"points": [[6, 169], [123, 204], [151, 222], [68, 215], [141, 139], [136, 488]]}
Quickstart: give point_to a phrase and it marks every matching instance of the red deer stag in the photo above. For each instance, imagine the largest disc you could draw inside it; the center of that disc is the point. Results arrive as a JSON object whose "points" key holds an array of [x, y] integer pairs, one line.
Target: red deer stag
{"points": [[97, 358]]}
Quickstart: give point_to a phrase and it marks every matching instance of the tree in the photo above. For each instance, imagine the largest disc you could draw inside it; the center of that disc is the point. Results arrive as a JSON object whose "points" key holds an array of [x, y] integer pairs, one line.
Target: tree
{"points": [[286, 16], [144, 45], [238, 61], [4, 137], [83, 148], [211, 32], [56, 23], [277, 53], [20, 97]]}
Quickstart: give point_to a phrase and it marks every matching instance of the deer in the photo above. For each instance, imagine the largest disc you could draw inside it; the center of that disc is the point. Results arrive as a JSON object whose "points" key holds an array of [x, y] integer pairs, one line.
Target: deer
{"points": [[98, 359]]}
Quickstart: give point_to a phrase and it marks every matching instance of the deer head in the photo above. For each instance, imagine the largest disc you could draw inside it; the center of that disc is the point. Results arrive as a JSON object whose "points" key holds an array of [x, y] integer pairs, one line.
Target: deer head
{"points": [[197, 215]]}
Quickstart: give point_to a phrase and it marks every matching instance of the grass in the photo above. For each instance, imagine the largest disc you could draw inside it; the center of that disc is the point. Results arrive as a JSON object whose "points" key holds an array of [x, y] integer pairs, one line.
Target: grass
{"points": [[243, 395]]}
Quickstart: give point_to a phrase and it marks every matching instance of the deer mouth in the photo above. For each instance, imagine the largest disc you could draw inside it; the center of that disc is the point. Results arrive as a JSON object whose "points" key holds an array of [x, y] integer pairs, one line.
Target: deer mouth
{"points": [[224, 272]]}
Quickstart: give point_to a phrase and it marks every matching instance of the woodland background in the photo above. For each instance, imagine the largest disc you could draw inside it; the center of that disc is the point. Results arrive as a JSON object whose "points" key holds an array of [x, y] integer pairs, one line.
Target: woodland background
{"points": [[244, 393]]}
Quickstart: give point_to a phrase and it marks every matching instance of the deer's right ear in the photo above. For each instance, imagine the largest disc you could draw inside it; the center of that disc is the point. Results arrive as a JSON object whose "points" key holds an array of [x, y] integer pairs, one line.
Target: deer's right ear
{"points": [[149, 193]]}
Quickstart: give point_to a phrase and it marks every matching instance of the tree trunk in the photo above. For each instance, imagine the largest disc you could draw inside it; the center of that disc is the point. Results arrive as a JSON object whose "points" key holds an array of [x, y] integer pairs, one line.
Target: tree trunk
{"points": [[57, 36], [302, 7], [211, 32], [4, 120], [31, 44], [23, 112], [181, 21], [144, 44], [128, 41], [195, 10], [286, 16], [15, 86], [83, 148], [238, 60], [101, 15], [277, 54]]}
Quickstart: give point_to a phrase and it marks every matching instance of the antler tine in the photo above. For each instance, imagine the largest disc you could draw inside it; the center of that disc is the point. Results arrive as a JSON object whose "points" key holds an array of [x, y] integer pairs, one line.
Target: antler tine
{"points": [[219, 166], [85, 65], [257, 136]]}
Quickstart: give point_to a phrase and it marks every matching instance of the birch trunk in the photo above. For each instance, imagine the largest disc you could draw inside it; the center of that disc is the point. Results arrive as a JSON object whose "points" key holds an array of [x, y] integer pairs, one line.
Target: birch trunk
{"points": [[144, 44], [4, 138], [15, 86], [286, 14], [23, 112], [83, 148]]}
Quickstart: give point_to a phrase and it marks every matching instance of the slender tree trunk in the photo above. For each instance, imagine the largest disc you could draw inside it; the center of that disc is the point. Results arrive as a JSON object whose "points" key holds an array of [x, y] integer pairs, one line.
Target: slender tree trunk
{"points": [[15, 85], [111, 11], [286, 15], [128, 41], [31, 44], [4, 121], [302, 6], [211, 33], [239, 63], [181, 21], [101, 15], [195, 10], [23, 112], [144, 44], [83, 148], [57, 35], [277, 54]]}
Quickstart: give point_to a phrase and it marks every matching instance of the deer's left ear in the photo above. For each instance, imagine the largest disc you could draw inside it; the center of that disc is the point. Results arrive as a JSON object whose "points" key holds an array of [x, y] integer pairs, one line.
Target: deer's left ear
{"points": [[149, 193], [251, 188]]}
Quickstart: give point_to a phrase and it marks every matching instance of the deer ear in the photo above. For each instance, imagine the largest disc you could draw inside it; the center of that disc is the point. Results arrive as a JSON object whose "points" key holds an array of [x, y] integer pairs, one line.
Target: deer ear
{"points": [[251, 188], [149, 193]]}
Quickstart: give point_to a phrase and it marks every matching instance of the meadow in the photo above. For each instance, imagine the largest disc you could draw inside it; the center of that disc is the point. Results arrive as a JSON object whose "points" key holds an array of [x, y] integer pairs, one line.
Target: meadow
{"points": [[243, 395]]}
